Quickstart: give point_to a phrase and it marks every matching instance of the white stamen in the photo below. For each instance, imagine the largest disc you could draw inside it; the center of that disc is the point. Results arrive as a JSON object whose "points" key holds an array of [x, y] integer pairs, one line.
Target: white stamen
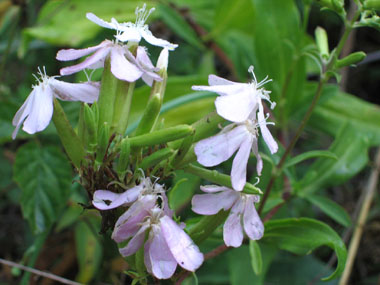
{"points": [[142, 15]]}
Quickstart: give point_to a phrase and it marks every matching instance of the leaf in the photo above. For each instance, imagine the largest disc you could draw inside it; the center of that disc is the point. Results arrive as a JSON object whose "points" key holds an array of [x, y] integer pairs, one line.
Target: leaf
{"points": [[303, 235], [256, 259], [176, 22], [310, 154], [65, 22], [336, 109], [330, 208], [44, 176], [352, 157], [182, 193], [89, 249]]}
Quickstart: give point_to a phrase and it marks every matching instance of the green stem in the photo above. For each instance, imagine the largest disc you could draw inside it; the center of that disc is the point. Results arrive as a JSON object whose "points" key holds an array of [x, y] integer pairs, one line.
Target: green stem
{"points": [[122, 106], [219, 178], [206, 226]]}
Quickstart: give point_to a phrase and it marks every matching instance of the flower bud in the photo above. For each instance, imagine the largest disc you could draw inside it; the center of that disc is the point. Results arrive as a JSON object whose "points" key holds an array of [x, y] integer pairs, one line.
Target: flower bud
{"points": [[155, 158], [122, 164], [335, 5], [372, 4], [103, 139], [353, 58], [91, 126], [161, 136], [322, 42], [150, 115]]}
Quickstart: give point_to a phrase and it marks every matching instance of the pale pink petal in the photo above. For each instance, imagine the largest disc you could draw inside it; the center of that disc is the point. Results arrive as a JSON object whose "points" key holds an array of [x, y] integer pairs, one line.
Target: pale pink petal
{"points": [[232, 229], [185, 252], [84, 92], [165, 204], [89, 62], [253, 225], [236, 107], [129, 34], [259, 163], [93, 18], [147, 262], [267, 136], [216, 149], [161, 260], [239, 164], [211, 204], [216, 80], [128, 224], [135, 243], [71, 54], [122, 68], [41, 110], [22, 113], [115, 199], [144, 62], [163, 59], [147, 35]]}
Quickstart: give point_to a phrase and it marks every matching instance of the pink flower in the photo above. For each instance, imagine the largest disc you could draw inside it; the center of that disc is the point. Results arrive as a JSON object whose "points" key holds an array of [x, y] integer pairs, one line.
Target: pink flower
{"points": [[242, 215], [167, 244], [37, 110], [124, 65], [237, 101], [240, 137]]}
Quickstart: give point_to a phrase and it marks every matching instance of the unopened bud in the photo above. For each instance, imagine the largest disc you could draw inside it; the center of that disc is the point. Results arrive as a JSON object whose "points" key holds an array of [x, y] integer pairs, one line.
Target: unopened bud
{"points": [[353, 58], [322, 42], [122, 165], [155, 158], [151, 113], [372, 4], [335, 5]]}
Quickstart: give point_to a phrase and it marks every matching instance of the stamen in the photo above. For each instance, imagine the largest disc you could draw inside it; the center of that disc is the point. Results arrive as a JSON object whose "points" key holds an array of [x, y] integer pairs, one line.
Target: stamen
{"points": [[257, 181], [250, 69], [142, 15]]}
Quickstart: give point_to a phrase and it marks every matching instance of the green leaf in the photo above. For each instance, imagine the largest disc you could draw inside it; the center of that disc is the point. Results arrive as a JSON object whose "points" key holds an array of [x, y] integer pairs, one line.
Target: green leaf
{"points": [[352, 157], [256, 259], [330, 208], [303, 235], [65, 22], [89, 249], [182, 193], [310, 154], [336, 109], [176, 22], [44, 176]]}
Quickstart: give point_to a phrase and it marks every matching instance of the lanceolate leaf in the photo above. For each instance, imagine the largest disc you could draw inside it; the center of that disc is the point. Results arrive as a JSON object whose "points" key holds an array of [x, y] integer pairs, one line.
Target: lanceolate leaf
{"points": [[310, 154], [303, 235], [44, 175]]}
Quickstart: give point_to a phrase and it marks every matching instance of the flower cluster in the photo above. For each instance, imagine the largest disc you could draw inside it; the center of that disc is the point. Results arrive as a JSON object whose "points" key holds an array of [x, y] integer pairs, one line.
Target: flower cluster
{"points": [[167, 244]]}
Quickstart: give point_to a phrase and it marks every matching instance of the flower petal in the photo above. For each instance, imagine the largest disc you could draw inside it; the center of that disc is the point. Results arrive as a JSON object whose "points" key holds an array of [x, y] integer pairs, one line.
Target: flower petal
{"points": [[147, 35], [135, 243], [128, 224], [267, 136], [116, 199], [163, 264], [84, 92], [93, 18], [131, 34], [185, 252], [232, 229], [41, 110], [122, 68], [71, 54], [214, 188], [253, 225], [216, 80], [236, 107], [259, 163], [239, 164], [223, 90], [210, 204], [89, 62], [22, 113], [216, 149]]}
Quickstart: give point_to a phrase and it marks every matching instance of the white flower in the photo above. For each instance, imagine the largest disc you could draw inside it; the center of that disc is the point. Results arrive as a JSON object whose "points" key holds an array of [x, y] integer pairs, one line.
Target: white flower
{"points": [[133, 32], [242, 215], [237, 100], [37, 110], [238, 136]]}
